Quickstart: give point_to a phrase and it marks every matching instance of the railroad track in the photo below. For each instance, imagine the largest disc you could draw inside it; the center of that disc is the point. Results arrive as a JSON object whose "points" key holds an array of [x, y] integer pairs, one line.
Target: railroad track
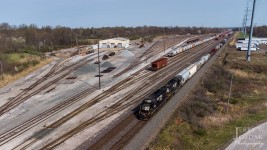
{"points": [[118, 87], [14, 132], [129, 132], [154, 49], [118, 106], [22, 128], [117, 136], [26, 94]]}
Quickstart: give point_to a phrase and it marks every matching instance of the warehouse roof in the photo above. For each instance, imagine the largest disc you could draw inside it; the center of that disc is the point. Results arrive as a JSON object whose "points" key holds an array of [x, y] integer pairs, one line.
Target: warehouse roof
{"points": [[118, 38]]}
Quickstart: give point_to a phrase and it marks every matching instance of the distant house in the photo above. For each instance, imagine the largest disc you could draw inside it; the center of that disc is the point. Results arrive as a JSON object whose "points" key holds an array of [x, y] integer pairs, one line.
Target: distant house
{"points": [[114, 42]]}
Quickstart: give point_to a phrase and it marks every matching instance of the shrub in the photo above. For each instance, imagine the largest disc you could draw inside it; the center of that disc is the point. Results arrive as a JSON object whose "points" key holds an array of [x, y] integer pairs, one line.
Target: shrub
{"points": [[200, 132], [22, 56], [34, 62], [233, 101]]}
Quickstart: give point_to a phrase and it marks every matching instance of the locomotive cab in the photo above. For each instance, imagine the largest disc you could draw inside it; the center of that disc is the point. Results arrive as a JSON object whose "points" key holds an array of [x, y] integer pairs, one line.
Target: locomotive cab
{"points": [[147, 107], [172, 85], [151, 103], [144, 111]]}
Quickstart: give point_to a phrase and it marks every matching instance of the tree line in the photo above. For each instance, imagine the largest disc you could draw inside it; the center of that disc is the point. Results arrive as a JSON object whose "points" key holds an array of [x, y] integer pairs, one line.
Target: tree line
{"points": [[260, 31], [31, 37]]}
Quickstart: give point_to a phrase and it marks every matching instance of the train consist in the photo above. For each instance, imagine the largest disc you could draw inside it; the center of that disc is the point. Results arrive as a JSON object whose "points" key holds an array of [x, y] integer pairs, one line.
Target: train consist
{"points": [[154, 101], [190, 44]]}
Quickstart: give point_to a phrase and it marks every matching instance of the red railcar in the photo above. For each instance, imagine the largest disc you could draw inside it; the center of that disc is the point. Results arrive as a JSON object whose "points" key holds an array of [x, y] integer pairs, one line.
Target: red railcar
{"points": [[160, 63]]}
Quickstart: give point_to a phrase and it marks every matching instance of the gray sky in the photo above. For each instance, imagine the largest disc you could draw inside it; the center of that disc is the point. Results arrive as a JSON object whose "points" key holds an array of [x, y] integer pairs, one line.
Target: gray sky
{"points": [[99, 13]]}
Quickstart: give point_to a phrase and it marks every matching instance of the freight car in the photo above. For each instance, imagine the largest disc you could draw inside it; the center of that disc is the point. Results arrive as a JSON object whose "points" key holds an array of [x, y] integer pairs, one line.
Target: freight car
{"points": [[216, 48], [174, 52], [158, 64], [177, 50], [224, 41], [153, 102], [205, 58], [192, 69], [186, 74], [182, 76], [192, 41]]}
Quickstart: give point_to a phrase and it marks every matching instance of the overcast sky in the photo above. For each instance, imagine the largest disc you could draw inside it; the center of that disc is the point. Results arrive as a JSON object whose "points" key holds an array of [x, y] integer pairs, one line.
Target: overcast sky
{"points": [[99, 13]]}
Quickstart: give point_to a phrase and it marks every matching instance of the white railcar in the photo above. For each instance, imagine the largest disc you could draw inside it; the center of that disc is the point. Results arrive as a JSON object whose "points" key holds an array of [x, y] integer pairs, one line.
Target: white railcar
{"points": [[206, 57], [192, 69], [183, 76]]}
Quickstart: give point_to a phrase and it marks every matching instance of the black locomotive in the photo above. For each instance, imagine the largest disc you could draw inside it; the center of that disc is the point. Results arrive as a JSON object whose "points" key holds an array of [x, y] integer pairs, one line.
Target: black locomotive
{"points": [[153, 102]]}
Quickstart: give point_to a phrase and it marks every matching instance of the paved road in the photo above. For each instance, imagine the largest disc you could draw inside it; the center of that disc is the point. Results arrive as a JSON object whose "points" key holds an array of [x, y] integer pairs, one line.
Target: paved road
{"points": [[253, 139]]}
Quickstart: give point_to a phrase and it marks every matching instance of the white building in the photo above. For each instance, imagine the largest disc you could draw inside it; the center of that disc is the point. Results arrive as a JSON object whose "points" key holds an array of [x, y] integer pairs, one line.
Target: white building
{"points": [[94, 47], [115, 42]]}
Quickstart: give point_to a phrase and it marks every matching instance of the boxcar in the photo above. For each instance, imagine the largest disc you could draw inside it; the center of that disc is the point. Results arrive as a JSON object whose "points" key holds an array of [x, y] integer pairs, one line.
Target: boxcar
{"points": [[158, 64]]}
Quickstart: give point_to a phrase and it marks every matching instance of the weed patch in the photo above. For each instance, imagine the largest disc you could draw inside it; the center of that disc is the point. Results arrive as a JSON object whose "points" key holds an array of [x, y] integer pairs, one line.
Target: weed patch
{"points": [[209, 122]]}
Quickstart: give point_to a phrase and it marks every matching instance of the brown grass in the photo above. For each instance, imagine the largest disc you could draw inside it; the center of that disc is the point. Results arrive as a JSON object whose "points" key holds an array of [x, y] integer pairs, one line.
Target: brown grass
{"points": [[214, 127], [240, 73], [11, 78], [216, 120], [232, 43]]}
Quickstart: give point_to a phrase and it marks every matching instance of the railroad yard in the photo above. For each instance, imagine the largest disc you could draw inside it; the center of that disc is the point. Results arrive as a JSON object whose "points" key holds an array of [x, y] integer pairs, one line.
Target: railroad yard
{"points": [[60, 106], [135, 75]]}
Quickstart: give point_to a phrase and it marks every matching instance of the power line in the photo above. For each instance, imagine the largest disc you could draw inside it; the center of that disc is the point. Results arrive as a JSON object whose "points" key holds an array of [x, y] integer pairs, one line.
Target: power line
{"points": [[245, 22], [245, 19]]}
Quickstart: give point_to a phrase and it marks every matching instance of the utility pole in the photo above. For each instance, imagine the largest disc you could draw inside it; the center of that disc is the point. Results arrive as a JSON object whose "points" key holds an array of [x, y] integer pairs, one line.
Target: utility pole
{"points": [[2, 76], [246, 19], [251, 31], [244, 27], [52, 46], [77, 42], [39, 45], [230, 92], [164, 45], [77, 46], [99, 76], [164, 40]]}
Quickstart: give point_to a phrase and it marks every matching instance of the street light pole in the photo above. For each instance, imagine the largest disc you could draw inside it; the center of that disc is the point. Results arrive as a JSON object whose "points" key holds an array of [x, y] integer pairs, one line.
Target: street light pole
{"points": [[99, 82], [164, 45], [251, 32], [1, 70], [52, 46], [229, 96]]}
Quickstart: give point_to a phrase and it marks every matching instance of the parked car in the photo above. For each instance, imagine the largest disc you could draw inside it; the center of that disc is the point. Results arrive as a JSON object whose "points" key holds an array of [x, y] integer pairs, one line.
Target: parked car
{"points": [[105, 57], [111, 54]]}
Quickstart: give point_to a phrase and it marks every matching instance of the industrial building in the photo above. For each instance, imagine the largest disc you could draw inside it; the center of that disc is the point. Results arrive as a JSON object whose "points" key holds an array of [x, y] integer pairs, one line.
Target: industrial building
{"points": [[114, 42]]}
